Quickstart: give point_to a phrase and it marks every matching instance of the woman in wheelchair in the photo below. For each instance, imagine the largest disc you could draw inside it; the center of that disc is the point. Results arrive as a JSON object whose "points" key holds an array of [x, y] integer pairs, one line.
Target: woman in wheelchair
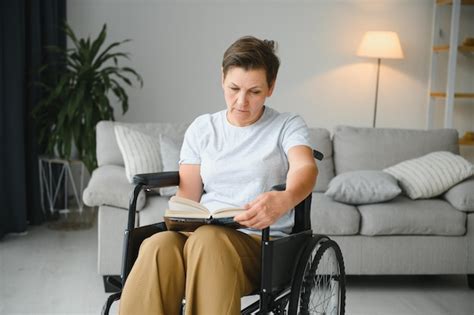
{"points": [[230, 158]]}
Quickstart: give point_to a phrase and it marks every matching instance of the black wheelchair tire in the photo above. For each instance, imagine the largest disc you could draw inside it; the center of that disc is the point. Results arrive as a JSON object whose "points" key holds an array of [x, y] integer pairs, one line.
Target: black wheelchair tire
{"points": [[296, 306]]}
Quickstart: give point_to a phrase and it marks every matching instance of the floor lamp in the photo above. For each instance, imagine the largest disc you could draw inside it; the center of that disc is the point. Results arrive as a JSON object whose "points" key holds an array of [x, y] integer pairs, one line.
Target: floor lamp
{"points": [[380, 45]]}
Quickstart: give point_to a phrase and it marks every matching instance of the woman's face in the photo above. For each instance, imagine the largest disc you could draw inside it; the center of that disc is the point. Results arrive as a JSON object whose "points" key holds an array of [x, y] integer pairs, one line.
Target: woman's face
{"points": [[245, 93]]}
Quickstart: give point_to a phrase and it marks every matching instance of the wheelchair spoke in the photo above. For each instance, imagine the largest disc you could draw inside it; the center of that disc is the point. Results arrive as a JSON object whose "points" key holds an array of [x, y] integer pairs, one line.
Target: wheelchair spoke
{"points": [[320, 289]]}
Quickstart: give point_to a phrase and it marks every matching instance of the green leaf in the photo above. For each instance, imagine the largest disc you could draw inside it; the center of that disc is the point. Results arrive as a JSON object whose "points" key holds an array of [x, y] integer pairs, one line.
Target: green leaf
{"points": [[124, 78], [103, 59], [137, 76], [76, 90], [98, 42], [69, 32]]}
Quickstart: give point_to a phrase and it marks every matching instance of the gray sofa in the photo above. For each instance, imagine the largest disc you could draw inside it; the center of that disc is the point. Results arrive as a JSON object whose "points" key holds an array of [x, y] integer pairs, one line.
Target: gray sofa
{"points": [[402, 236]]}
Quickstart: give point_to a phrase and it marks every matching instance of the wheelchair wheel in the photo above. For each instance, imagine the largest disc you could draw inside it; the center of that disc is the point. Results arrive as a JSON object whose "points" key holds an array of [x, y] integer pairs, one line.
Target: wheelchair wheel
{"points": [[319, 283]]}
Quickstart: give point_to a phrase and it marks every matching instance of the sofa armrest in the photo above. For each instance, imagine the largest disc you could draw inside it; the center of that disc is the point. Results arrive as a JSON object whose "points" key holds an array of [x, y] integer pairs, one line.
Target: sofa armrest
{"points": [[461, 196], [109, 186], [157, 180]]}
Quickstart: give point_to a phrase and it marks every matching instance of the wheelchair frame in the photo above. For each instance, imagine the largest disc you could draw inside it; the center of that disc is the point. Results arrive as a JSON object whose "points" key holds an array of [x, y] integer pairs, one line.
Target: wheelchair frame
{"points": [[277, 271]]}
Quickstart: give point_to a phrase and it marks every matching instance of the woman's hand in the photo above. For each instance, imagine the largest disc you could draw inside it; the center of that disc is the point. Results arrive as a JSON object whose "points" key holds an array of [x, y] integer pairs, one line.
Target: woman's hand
{"points": [[266, 209]]}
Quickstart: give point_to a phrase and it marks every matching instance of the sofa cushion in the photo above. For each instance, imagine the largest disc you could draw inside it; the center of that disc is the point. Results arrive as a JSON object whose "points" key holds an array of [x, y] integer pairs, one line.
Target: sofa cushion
{"points": [[169, 151], [321, 140], [332, 217], [432, 174], [108, 151], [461, 196], [378, 148], [363, 187], [403, 216], [108, 185], [140, 152]]}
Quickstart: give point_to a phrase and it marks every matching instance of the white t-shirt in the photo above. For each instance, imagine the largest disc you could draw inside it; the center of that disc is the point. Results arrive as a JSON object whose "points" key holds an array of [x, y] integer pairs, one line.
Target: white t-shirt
{"points": [[240, 163]]}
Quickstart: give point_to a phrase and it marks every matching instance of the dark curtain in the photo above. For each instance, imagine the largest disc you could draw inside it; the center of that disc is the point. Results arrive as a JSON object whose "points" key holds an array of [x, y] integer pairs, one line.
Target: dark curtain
{"points": [[26, 27]]}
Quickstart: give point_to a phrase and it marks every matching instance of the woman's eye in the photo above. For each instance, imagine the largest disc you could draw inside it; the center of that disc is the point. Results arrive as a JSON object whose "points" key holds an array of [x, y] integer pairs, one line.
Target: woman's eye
{"points": [[234, 88], [255, 92]]}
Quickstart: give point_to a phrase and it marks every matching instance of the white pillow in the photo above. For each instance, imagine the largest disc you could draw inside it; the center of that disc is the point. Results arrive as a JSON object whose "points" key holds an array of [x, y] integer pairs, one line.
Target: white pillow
{"points": [[140, 152], [170, 157], [431, 175], [363, 187]]}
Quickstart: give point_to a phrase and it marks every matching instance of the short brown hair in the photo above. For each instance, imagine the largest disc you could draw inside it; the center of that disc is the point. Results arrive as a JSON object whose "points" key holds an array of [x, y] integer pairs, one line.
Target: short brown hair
{"points": [[251, 53]]}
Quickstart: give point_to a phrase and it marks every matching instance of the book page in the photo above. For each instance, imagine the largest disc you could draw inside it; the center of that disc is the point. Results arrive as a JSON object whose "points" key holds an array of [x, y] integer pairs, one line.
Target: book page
{"points": [[216, 207], [177, 204], [186, 208]]}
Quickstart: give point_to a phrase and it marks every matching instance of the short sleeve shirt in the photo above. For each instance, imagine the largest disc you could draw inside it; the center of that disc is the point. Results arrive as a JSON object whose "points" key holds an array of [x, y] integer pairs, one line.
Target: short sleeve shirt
{"points": [[240, 163]]}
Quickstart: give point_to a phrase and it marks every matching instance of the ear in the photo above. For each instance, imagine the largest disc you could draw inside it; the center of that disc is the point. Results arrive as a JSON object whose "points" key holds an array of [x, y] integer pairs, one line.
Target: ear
{"points": [[222, 77], [272, 87]]}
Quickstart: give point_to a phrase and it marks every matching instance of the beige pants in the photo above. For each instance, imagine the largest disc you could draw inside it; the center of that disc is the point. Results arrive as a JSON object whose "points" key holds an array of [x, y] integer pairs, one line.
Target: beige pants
{"points": [[213, 267]]}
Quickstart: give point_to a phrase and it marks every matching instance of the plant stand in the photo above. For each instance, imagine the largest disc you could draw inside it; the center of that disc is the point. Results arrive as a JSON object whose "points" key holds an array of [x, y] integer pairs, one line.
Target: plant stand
{"points": [[51, 187]]}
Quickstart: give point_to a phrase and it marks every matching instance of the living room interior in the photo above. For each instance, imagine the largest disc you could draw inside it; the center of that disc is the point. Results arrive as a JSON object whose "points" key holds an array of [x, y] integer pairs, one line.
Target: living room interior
{"points": [[56, 252]]}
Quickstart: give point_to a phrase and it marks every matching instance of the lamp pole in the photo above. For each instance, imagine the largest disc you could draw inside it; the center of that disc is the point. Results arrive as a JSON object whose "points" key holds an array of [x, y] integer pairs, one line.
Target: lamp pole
{"points": [[376, 92]]}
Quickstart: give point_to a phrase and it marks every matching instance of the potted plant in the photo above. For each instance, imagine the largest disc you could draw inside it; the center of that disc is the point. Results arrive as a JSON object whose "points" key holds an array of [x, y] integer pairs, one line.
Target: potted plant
{"points": [[78, 98]]}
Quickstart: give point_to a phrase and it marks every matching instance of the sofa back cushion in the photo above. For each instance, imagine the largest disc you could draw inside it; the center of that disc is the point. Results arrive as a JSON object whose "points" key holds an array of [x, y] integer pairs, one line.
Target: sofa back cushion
{"points": [[108, 151], [357, 148], [321, 140]]}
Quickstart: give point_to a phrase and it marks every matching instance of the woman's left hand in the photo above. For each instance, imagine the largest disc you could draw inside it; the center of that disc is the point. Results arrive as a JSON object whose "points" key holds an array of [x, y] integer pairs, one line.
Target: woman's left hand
{"points": [[265, 210]]}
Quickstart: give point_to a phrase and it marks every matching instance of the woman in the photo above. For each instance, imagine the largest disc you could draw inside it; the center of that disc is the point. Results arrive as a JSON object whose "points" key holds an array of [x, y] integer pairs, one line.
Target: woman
{"points": [[230, 158]]}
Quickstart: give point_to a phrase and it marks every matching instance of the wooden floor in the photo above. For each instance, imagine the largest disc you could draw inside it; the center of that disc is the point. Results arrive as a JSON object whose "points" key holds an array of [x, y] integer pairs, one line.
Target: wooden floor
{"points": [[53, 271]]}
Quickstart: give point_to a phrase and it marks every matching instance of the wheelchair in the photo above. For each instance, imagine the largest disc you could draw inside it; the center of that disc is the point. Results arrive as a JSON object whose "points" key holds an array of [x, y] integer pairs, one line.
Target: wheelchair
{"points": [[302, 273]]}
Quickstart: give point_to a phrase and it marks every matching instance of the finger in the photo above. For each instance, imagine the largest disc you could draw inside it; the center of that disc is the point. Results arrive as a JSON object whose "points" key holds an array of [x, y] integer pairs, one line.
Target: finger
{"points": [[257, 222], [260, 225], [244, 216], [247, 219], [260, 221], [253, 210], [252, 203]]}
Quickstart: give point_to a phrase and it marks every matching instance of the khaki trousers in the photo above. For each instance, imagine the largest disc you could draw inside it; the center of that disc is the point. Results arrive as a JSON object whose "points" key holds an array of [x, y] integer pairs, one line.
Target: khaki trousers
{"points": [[212, 267]]}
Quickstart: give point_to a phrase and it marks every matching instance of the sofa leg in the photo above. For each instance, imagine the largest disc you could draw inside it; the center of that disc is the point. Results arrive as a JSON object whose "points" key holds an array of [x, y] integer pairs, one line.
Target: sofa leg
{"points": [[112, 283], [470, 280]]}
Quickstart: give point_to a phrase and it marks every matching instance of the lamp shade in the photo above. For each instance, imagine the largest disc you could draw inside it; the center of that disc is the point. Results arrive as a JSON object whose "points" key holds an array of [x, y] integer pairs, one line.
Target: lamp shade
{"points": [[378, 44]]}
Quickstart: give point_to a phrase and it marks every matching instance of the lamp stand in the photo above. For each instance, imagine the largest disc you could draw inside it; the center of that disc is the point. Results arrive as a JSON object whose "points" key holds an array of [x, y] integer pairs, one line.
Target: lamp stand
{"points": [[376, 92]]}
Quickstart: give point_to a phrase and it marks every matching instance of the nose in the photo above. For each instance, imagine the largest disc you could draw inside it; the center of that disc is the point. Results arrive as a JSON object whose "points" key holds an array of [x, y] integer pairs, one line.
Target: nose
{"points": [[242, 100]]}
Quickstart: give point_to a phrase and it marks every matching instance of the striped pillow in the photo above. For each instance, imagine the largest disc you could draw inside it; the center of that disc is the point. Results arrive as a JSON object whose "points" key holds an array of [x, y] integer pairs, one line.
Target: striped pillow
{"points": [[140, 152], [432, 174]]}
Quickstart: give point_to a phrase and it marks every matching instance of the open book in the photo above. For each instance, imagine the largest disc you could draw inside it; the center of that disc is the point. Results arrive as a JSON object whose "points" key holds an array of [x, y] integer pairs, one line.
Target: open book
{"points": [[186, 215]]}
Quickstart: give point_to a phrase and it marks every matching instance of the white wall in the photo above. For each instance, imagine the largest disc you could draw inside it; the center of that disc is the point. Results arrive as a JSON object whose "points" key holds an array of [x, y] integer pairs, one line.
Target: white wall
{"points": [[178, 45]]}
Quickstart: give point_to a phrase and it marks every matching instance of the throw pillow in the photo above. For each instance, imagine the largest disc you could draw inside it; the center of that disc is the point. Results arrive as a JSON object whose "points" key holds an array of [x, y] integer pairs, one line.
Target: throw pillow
{"points": [[461, 196], [363, 187], [432, 174], [140, 152], [170, 158]]}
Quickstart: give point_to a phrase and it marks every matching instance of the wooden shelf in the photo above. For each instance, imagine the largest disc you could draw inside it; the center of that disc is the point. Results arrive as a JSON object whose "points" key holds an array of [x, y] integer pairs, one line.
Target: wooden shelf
{"points": [[464, 2], [462, 48], [456, 95], [454, 47]]}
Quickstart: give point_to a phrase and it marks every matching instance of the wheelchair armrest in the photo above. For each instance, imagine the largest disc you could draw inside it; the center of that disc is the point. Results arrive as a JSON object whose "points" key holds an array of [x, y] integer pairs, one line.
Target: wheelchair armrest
{"points": [[155, 180], [280, 187], [318, 155]]}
